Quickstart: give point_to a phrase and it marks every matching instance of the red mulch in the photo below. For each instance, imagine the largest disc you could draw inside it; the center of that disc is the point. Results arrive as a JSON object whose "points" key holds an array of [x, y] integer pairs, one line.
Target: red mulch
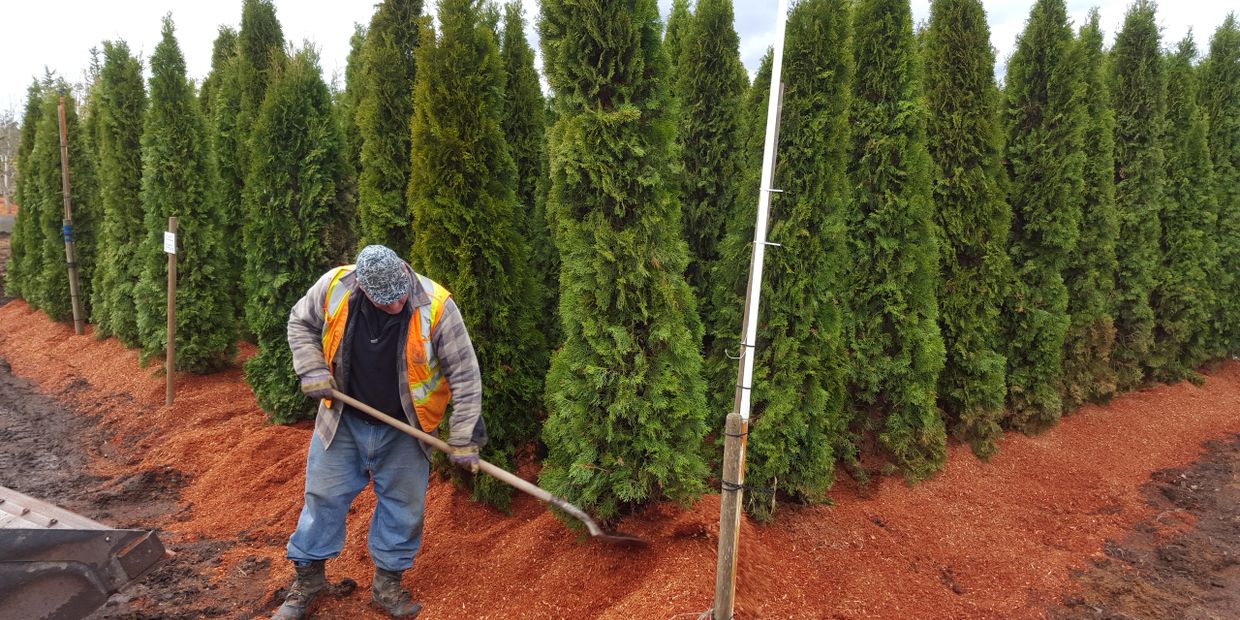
{"points": [[979, 540]]}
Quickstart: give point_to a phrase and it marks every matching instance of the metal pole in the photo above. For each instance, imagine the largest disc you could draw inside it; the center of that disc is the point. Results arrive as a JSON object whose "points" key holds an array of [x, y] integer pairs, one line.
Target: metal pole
{"points": [[736, 430], [171, 362], [67, 231]]}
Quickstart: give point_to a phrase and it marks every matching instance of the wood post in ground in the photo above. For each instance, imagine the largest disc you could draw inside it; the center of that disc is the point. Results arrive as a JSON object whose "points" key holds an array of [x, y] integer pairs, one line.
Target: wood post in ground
{"points": [[70, 252], [170, 247], [730, 515]]}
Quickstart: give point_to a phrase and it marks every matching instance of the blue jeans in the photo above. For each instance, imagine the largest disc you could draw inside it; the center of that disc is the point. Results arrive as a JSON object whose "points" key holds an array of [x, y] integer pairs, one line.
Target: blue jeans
{"points": [[359, 453]]}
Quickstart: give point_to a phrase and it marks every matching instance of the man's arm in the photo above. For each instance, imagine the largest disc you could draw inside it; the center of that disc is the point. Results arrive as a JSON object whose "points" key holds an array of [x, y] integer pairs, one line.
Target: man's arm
{"points": [[305, 329], [459, 365]]}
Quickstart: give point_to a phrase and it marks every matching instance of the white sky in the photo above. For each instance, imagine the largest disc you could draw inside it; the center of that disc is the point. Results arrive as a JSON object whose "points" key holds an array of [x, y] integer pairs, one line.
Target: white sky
{"points": [[59, 34]]}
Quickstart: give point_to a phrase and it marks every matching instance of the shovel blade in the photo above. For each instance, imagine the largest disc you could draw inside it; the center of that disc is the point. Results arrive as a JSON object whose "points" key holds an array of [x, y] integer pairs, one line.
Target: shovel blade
{"points": [[621, 539]]}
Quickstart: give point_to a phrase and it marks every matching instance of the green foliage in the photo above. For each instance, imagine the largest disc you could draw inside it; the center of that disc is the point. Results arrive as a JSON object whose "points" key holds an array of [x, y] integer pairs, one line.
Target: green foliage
{"points": [[1220, 101], [525, 127], [289, 190], [674, 34], [177, 178], [341, 234], [1045, 164], [260, 50], [462, 191], [25, 258], [349, 100], [1091, 267], [1183, 298], [383, 115], [797, 419], [227, 137], [710, 89], [223, 51], [973, 216], [50, 285], [1139, 92], [625, 394], [730, 274], [896, 349], [120, 109]]}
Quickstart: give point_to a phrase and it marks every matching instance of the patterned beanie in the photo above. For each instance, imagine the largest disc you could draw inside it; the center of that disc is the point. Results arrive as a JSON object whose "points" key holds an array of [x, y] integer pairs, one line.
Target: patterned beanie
{"points": [[381, 273]]}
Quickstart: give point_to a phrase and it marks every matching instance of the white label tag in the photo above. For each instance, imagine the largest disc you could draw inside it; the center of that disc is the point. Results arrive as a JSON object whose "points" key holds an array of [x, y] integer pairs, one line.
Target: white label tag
{"points": [[170, 242]]}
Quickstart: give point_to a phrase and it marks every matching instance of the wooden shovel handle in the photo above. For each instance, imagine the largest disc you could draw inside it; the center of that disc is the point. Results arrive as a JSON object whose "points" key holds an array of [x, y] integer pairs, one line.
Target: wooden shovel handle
{"points": [[490, 469]]}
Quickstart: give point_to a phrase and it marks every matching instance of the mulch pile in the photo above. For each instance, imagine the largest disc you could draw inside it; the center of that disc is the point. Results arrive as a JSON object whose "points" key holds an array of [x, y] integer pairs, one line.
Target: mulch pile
{"points": [[979, 540]]}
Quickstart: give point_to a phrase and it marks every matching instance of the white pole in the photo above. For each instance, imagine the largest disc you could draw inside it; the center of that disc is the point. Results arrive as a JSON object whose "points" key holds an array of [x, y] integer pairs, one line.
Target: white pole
{"points": [[737, 428], [753, 295]]}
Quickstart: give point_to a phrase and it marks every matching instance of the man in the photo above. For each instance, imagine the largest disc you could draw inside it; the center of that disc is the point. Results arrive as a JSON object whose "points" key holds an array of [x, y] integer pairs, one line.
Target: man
{"points": [[393, 339]]}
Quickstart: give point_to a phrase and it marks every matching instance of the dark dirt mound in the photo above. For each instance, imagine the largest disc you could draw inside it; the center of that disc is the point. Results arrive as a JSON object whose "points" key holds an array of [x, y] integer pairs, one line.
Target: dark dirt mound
{"points": [[1182, 563], [46, 451]]}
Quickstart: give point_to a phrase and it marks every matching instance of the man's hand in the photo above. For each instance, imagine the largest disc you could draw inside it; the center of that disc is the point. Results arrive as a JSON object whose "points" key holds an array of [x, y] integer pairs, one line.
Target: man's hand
{"points": [[318, 384], [465, 457]]}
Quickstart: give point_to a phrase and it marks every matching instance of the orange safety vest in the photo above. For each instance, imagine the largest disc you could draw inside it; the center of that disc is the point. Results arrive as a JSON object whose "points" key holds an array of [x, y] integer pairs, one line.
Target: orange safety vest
{"points": [[430, 392]]}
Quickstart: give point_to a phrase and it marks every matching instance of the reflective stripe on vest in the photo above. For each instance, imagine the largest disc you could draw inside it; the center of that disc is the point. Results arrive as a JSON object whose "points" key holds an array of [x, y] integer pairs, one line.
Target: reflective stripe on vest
{"points": [[427, 388]]}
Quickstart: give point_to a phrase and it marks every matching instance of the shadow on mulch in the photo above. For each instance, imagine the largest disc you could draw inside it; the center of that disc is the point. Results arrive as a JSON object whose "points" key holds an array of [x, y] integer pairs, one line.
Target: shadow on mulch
{"points": [[1182, 563]]}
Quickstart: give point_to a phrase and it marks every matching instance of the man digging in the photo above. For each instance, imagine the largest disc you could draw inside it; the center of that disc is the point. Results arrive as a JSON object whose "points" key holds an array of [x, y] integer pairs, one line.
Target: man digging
{"points": [[393, 339]]}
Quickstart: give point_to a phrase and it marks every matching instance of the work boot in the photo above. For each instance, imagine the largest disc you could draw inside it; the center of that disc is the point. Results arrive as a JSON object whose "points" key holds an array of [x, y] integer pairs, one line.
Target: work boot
{"points": [[386, 593], [307, 584]]}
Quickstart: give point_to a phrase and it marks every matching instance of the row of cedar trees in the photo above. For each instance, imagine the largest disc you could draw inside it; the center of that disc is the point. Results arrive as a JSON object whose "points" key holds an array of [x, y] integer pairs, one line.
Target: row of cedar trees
{"points": [[955, 257]]}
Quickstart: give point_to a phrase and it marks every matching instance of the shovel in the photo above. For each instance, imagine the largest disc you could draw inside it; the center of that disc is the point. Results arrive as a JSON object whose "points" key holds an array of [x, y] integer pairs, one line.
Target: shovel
{"points": [[596, 532]]}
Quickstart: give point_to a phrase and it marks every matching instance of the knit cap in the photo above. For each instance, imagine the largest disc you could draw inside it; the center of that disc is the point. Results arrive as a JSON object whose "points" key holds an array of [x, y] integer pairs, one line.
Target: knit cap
{"points": [[381, 273]]}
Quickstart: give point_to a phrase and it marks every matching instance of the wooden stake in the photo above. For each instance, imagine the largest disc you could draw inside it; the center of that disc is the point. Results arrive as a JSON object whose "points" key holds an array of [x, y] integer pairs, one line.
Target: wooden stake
{"points": [[70, 252], [730, 515], [172, 309]]}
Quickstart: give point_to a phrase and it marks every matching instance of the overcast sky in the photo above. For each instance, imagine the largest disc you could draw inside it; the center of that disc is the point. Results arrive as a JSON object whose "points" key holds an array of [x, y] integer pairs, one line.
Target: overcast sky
{"points": [[58, 34]]}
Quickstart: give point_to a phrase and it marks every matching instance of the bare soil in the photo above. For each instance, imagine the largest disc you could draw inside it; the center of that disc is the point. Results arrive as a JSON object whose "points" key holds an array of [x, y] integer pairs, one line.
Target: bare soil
{"points": [[1045, 529], [1183, 562]]}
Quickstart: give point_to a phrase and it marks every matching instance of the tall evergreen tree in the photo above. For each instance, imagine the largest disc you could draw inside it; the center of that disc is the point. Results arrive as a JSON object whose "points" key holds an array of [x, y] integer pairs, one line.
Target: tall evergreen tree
{"points": [[383, 119], [1183, 297], [525, 127], [753, 132], [1046, 165], [710, 88], [260, 49], [25, 253], [223, 51], [674, 34], [51, 288], [341, 233], [797, 420], [896, 349], [625, 393], [462, 190], [290, 188], [121, 108], [965, 140], [1220, 98], [1090, 274], [1139, 90], [177, 177], [227, 137], [349, 100], [730, 274]]}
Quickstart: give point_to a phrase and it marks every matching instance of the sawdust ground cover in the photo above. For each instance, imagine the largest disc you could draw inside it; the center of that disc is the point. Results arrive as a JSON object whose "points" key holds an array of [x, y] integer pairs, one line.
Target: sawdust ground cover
{"points": [[1020, 537]]}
